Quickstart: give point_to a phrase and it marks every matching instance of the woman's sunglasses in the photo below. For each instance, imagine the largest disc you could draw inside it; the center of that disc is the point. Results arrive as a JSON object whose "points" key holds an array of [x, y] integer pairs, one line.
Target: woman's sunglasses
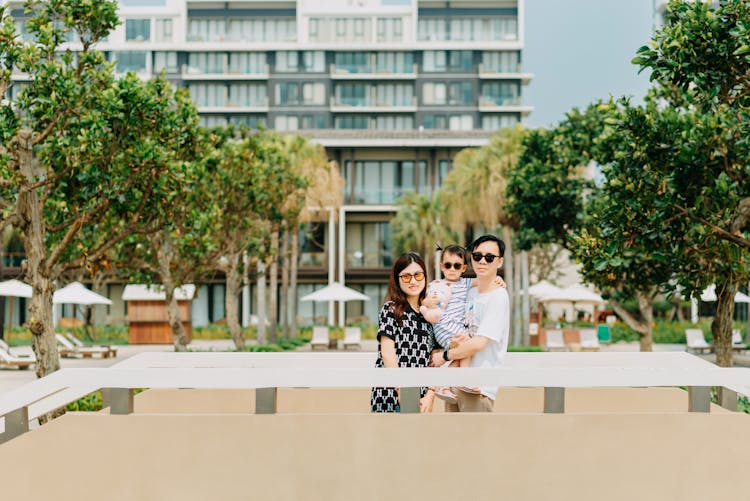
{"points": [[477, 256], [455, 266], [406, 277]]}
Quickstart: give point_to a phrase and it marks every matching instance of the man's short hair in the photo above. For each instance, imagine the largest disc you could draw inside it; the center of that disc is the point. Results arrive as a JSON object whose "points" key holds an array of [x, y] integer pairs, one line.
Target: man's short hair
{"points": [[488, 238]]}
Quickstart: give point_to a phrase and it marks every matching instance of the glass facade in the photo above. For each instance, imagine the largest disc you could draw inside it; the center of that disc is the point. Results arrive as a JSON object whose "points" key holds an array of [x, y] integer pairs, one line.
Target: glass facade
{"points": [[368, 245], [384, 181]]}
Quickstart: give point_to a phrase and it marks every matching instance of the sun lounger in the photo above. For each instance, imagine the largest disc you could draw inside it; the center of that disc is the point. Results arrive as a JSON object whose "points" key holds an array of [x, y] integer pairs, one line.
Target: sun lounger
{"points": [[696, 342], [352, 338], [69, 350], [589, 340], [79, 344], [9, 361], [604, 333], [319, 338], [555, 340]]}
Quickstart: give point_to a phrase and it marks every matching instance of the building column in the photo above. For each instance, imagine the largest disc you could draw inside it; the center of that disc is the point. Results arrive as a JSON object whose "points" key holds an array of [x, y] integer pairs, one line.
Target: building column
{"points": [[342, 258], [331, 257]]}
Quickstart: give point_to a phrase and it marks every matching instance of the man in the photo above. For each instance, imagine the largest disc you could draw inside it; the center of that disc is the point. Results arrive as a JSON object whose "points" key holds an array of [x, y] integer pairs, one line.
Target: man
{"points": [[487, 323]]}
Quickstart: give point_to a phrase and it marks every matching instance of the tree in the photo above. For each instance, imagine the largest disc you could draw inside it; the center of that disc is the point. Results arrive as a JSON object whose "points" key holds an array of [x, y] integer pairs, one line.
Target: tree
{"points": [[700, 60], [474, 192], [420, 224], [74, 160], [251, 179]]}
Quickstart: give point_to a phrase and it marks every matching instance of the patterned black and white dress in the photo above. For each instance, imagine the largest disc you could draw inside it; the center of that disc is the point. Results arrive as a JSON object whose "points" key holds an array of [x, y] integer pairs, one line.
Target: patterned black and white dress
{"points": [[414, 340]]}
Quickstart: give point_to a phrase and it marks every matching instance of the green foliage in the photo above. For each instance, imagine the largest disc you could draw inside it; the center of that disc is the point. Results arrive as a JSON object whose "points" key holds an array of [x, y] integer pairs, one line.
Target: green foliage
{"points": [[665, 331], [514, 349]]}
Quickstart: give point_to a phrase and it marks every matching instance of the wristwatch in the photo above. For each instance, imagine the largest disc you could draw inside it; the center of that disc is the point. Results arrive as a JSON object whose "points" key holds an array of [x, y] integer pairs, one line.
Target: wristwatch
{"points": [[445, 355]]}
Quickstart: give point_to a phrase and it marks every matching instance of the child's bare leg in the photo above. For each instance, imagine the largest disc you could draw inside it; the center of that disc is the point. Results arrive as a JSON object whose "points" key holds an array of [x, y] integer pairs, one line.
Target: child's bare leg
{"points": [[465, 362]]}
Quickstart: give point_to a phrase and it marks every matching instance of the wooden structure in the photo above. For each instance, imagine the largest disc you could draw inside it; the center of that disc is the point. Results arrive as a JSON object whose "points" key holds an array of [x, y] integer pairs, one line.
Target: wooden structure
{"points": [[147, 313]]}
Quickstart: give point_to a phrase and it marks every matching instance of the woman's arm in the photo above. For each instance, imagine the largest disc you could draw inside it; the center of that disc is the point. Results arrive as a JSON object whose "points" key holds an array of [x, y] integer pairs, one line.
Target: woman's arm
{"points": [[388, 351]]}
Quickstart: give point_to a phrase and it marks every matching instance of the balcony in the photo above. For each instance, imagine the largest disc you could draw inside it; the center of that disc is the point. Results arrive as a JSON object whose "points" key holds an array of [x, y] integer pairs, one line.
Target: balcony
{"points": [[197, 74], [503, 104], [234, 107], [489, 73], [371, 105], [366, 73]]}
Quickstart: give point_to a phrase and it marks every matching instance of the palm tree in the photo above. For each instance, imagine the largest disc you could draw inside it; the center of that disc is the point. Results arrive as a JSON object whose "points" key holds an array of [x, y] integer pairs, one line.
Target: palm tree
{"points": [[420, 224], [474, 195]]}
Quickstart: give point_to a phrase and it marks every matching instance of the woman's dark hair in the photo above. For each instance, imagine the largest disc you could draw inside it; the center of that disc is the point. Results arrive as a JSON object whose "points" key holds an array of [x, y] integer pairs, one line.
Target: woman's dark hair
{"points": [[455, 250], [395, 294]]}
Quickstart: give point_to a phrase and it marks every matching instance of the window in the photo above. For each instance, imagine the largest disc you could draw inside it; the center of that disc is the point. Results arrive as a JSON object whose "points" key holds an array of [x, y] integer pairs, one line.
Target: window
{"points": [[395, 95], [352, 122], [130, 61], [500, 94], [450, 61], [394, 62], [495, 122], [247, 63], [493, 28], [339, 29], [446, 121], [385, 181], [368, 245], [312, 245], [212, 95], [165, 61], [163, 30], [300, 93], [137, 30], [252, 121], [394, 122], [261, 30], [313, 122], [304, 61], [286, 122], [353, 62], [206, 30], [241, 94], [390, 29], [206, 62], [353, 95], [457, 93], [500, 62], [313, 30]]}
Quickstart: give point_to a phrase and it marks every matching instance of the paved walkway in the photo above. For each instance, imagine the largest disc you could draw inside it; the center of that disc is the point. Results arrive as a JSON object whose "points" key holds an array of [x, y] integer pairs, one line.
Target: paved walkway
{"points": [[12, 378]]}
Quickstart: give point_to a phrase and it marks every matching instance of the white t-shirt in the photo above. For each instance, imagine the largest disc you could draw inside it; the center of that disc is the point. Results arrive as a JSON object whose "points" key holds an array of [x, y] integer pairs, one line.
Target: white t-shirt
{"points": [[488, 315]]}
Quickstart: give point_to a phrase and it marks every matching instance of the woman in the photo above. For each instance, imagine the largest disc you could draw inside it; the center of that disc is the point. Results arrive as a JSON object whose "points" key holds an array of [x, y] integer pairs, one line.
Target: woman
{"points": [[405, 338]]}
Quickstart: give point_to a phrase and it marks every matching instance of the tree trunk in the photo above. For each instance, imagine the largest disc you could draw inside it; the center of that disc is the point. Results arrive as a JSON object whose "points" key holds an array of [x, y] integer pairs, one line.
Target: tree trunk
{"points": [[233, 284], [173, 316], [517, 320], [273, 300], [721, 327], [643, 324], [284, 309], [508, 275], [41, 322], [293, 284], [261, 337]]}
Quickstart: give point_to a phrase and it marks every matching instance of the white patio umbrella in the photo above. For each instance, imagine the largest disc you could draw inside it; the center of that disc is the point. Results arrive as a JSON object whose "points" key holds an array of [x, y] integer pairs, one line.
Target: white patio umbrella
{"points": [[77, 293], [573, 294], [335, 292], [11, 289], [542, 289], [709, 295]]}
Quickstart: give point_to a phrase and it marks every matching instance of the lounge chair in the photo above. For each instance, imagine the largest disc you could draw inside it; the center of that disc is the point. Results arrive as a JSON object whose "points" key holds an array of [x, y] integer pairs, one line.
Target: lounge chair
{"points": [[604, 333], [10, 359], [696, 342], [352, 338], [737, 344], [319, 338], [69, 350], [589, 340], [555, 340], [79, 344]]}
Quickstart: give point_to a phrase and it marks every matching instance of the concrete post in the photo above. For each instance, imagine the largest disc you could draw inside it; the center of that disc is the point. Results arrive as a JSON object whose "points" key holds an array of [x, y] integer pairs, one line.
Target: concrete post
{"points": [[265, 400], [554, 400]]}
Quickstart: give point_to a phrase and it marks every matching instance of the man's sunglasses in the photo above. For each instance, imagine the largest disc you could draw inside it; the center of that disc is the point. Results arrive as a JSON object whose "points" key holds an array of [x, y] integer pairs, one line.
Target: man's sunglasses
{"points": [[455, 266], [477, 256], [406, 277]]}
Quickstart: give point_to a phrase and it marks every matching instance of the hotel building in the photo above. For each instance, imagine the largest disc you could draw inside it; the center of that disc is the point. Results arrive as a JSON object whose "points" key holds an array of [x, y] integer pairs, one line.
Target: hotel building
{"points": [[393, 89]]}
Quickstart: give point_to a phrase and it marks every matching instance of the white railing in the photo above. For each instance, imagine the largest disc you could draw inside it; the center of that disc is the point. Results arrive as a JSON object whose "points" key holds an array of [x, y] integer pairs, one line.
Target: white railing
{"points": [[266, 372]]}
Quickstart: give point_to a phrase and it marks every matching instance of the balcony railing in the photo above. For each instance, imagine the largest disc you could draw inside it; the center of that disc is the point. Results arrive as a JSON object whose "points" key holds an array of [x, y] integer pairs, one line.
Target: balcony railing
{"points": [[229, 106], [363, 104], [224, 73], [404, 72], [498, 73]]}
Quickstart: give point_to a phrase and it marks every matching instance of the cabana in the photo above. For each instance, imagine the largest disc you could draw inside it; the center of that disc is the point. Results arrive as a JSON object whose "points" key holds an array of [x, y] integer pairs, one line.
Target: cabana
{"points": [[147, 313]]}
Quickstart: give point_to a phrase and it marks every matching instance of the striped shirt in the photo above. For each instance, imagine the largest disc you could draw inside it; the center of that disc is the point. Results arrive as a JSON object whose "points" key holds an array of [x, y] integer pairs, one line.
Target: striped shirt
{"points": [[452, 321]]}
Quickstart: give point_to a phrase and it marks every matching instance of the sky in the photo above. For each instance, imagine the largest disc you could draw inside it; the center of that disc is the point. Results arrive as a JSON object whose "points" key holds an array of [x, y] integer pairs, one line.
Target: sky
{"points": [[580, 51]]}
